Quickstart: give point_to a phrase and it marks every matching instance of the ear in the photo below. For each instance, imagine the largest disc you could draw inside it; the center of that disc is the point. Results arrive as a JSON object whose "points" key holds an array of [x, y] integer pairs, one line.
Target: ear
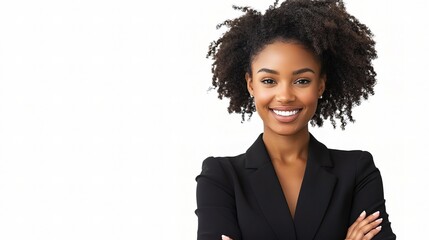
{"points": [[249, 84], [322, 84]]}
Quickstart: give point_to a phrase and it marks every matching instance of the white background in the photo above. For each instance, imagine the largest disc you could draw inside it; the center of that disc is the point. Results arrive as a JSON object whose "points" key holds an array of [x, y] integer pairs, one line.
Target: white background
{"points": [[105, 116]]}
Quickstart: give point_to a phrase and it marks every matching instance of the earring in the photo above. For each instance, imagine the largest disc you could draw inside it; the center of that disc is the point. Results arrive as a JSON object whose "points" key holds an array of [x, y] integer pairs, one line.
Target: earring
{"points": [[321, 96], [252, 102]]}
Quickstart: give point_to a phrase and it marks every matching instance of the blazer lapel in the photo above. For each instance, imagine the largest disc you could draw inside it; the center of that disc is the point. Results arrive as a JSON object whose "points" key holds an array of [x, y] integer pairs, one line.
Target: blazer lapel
{"points": [[316, 190], [268, 192]]}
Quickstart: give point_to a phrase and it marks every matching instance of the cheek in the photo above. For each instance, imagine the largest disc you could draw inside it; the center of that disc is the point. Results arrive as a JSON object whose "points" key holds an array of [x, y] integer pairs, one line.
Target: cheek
{"points": [[310, 99], [262, 97]]}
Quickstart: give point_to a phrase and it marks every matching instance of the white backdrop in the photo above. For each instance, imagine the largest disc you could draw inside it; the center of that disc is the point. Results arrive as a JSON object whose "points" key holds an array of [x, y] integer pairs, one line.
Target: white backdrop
{"points": [[105, 116]]}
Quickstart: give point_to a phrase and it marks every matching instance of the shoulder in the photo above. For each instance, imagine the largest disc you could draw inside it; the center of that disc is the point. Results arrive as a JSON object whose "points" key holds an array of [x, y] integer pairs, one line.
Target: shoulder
{"points": [[221, 165], [213, 162], [220, 172], [340, 158], [351, 156], [216, 167], [358, 162]]}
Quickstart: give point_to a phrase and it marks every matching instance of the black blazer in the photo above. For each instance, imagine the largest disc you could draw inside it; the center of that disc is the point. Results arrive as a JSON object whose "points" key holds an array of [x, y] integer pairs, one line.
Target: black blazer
{"points": [[241, 196]]}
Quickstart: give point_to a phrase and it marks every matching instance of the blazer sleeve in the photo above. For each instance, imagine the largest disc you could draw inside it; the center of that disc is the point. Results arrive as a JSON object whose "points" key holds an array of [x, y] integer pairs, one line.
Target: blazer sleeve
{"points": [[369, 196], [216, 209]]}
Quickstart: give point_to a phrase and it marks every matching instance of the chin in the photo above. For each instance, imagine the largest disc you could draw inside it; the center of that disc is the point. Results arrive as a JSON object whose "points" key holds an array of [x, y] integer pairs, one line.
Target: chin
{"points": [[286, 131]]}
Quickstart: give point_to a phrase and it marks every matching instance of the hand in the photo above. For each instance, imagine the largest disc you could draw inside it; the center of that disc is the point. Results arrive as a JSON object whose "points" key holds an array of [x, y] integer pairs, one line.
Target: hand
{"points": [[226, 237], [364, 228]]}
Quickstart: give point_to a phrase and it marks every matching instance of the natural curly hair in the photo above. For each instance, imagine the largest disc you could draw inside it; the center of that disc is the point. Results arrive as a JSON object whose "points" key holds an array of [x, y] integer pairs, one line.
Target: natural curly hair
{"points": [[344, 45]]}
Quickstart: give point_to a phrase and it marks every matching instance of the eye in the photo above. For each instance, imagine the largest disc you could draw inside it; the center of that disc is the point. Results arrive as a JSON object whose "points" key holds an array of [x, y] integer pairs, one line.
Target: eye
{"points": [[268, 81], [302, 81]]}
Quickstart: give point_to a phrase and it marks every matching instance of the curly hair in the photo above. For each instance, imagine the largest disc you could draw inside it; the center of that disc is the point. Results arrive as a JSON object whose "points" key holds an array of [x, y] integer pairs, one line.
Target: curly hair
{"points": [[344, 45]]}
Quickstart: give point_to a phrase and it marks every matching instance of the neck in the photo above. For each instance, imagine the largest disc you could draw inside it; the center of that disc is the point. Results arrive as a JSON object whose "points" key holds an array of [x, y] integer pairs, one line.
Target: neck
{"points": [[287, 148]]}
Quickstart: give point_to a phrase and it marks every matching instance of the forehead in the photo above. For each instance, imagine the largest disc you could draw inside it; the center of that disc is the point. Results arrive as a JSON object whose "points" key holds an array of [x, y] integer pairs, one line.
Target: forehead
{"points": [[285, 55]]}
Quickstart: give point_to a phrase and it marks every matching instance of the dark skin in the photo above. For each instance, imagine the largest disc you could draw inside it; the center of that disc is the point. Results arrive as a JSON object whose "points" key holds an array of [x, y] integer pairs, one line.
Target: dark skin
{"points": [[290, 174], [286, 83], [343, 44], [286, 77], [284, 88]]}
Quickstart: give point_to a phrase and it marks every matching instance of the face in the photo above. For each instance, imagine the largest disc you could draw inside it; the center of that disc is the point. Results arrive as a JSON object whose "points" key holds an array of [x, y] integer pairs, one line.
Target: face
{"points": [[286, 83]]}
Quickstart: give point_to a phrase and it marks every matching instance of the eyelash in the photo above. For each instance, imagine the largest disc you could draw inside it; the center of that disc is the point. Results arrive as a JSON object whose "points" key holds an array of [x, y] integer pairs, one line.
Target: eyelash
{"points": [[301, 81], [268, 81]]}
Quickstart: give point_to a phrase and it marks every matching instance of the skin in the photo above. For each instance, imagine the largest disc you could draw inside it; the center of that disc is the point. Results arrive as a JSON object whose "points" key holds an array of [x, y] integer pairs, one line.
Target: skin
{"points": [[287, 77]]}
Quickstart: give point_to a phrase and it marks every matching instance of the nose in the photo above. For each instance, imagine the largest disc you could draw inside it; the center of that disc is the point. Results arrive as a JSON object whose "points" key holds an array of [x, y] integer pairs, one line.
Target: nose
{"points": [[285, 94]]}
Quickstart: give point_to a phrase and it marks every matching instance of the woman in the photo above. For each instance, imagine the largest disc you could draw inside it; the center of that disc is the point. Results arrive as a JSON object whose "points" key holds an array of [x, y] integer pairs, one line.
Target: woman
{"points": [[298, 63]]}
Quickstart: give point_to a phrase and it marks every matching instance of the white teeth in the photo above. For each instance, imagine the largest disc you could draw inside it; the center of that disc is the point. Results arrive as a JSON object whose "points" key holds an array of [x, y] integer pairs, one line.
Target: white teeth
{"points": [[285, 113]]}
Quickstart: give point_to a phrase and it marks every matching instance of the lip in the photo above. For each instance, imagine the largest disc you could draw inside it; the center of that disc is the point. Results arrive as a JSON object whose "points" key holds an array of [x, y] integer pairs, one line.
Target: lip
{"points": [[285, 119], [285, 108]]}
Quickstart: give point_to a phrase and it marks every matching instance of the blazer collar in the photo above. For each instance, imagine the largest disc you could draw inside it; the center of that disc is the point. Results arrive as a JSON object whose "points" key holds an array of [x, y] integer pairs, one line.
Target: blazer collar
{"points": [[257, 154], [313, 199]]}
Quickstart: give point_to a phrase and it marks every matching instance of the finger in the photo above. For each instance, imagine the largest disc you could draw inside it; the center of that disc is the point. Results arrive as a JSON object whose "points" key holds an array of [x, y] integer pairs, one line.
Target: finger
{"points": [[361, 231], [358, 220], [364, 226], [372, 233], [368, 220], [226, 237], [369, 227]]}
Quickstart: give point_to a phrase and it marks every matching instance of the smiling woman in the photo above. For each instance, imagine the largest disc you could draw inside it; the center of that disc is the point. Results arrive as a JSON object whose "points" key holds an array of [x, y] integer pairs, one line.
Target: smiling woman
{"points": [[298, 63], [285, 81]]}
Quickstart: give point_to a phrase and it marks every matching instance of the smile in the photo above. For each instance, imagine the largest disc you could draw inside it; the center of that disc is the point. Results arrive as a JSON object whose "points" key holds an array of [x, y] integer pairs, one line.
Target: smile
{"points": [[285, 113]]}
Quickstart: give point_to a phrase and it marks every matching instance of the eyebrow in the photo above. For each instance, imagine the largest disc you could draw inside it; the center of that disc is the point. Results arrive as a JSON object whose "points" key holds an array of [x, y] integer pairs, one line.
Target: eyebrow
{"points": [[303, 70]]}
